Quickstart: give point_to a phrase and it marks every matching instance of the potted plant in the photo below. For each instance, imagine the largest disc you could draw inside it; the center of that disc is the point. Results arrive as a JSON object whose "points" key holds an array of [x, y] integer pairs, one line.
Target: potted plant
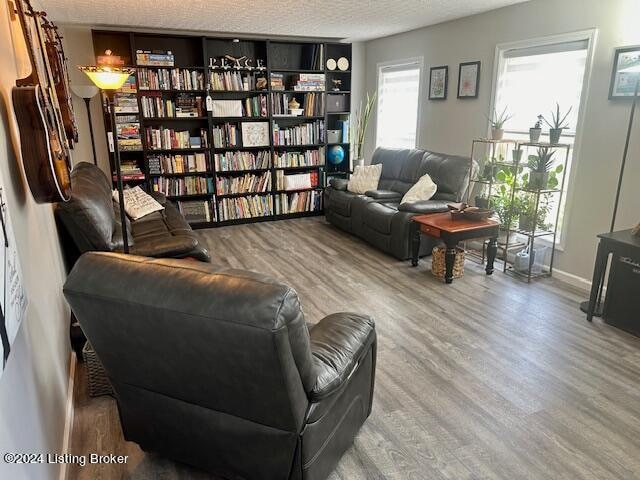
{"points": [[516, 154], [557, 124], [359, 133], [540, 166], [536, 130], [497, 122], [525, 208]]}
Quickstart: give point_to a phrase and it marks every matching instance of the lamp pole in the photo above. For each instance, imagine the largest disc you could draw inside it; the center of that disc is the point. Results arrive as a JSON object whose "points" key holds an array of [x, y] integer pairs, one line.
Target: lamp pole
{"points": [[584, 306], [87, 102], [116, 160]]}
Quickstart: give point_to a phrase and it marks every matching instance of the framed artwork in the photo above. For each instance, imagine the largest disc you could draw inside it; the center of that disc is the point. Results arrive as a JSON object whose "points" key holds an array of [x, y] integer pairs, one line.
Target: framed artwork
{"points": [[438, 82], [623, 84], [468, 80], [255, 134]]}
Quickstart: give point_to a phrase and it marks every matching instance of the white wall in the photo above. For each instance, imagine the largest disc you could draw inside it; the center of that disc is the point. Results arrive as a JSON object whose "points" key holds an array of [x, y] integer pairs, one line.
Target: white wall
{"points": [[449, 126], [33, 386]]}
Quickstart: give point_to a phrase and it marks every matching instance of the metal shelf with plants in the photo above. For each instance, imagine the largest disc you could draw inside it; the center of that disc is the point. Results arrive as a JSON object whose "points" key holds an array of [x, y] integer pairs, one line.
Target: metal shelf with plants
{"points": [[523, 182], [233, 130]]}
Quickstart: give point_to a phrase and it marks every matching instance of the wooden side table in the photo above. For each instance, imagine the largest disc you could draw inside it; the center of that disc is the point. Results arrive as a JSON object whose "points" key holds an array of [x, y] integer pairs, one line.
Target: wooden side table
{"points": [[452, 232]]}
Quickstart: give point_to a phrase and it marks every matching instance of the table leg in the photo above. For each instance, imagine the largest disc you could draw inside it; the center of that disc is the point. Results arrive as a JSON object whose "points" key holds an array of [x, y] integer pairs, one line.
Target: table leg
{"points": [[415, 243], [598, 273], [449, 261], [492, 250]]}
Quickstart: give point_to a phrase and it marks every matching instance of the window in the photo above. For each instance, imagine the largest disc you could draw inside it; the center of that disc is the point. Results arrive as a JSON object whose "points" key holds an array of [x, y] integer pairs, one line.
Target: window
{"points": [[530, 81], [398, 96]]}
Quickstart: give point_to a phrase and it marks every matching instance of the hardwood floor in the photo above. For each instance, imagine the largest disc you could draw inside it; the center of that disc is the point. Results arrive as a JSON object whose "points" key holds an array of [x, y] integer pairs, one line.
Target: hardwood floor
{"points": [[487, 378]]}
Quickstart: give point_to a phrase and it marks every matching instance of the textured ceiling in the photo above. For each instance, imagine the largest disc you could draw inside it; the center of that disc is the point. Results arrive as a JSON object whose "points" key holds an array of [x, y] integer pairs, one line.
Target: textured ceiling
{"points": [[350, 19]]}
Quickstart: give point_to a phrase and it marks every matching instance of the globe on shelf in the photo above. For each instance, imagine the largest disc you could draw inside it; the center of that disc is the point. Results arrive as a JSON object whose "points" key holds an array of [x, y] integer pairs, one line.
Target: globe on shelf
{"points": [[336, 155]]}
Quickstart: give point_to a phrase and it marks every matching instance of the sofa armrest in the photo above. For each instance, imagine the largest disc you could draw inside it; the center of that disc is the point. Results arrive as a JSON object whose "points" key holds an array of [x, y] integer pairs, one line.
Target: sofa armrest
{"points": [[339, 183], [383, 194], [425, 206], [169, 246], [338, 343]]}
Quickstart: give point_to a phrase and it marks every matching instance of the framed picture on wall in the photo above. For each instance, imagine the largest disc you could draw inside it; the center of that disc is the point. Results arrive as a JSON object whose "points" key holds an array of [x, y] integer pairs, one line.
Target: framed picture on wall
{"points": [[438, 82], [468, 80], [623, 83]]}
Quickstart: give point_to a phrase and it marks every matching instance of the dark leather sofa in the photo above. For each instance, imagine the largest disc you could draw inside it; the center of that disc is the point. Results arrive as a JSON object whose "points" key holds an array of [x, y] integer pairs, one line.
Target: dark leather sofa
{"points": [[219, 369], [92, 221], [378, 217]]}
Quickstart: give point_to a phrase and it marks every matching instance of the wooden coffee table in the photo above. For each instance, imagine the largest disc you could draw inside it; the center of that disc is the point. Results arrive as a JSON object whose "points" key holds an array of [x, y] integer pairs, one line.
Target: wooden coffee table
{"points": [[451, 232]]}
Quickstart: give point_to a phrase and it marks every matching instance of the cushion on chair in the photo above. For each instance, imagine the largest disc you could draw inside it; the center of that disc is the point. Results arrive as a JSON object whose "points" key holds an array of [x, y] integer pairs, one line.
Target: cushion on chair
{"points": [[364, 178], [423, 189]]}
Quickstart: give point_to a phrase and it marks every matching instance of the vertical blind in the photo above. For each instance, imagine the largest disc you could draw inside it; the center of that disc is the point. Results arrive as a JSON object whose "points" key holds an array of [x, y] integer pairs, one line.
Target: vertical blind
{"points": [[397, 119]]}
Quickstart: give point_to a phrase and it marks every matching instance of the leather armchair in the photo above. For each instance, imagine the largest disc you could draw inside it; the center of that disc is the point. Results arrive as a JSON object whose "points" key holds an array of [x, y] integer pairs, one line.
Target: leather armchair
{"points": [[218, 369], [92, 221]]}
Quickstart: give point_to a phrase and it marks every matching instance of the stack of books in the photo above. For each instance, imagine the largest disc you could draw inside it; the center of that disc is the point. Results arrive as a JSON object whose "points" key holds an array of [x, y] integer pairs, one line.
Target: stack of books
{"points": [[189, 106], [248, 183], [155, 58], [309, 82], [230, 161], [125, 103], [277, 81], [196, 211], [129, 136], [130, 171]]}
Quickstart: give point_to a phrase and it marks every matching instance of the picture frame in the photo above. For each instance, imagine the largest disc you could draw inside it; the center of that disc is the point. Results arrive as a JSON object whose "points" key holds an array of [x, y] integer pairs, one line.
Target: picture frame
{"points": [[468, 79], [438, 82], [255, 134], [623, 84]]}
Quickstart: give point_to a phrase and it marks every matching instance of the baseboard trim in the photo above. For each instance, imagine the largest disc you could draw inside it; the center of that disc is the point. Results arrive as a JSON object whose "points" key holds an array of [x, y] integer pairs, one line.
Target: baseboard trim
{"points": [[69, 413], [573, 280]]}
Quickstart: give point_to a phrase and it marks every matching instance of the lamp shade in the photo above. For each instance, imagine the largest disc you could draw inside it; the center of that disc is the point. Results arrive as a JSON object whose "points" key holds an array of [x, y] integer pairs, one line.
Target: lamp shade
{"points": [[85, 91], [107, 78]]}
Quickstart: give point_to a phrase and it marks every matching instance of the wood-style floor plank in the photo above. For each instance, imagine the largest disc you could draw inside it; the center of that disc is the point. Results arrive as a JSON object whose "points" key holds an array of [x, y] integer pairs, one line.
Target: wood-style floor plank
{"points": [[487, 378]]}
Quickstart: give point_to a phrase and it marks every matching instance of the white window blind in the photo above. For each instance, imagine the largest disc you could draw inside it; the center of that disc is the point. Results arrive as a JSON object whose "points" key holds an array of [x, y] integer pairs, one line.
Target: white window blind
{"points": [[398, 92]]}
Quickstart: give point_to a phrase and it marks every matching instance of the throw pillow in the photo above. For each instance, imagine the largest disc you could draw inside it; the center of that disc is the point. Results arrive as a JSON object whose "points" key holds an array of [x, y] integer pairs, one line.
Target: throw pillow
{"points": [[423, 189], [138, 203], [365, 178]]}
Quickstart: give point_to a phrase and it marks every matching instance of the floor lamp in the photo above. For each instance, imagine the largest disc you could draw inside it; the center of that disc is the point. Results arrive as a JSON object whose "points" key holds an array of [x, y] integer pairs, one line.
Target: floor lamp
{"points": [[109, 79], [87, 92], [584, 306]]}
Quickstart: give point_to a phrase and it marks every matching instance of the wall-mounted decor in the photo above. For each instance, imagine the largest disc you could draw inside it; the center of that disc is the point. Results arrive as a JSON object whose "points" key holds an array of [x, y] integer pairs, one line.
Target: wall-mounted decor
{"points": [[623, 83], [438, 82], [14, 301], [468, 80]]}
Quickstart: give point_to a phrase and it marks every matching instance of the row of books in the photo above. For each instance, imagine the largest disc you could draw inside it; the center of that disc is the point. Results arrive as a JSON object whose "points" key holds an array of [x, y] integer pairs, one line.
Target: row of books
{"points": [[130, 170], [312, 104], [248, 183], [226, 135], [125, 103], [245, 207], [236, 81], [188, 163], [309, 82], [296, 181], [304, 134], [155, 58], [167, 139], [182, 186], [286, 203], [170, 79], [306, 158], [230, 161], [182, 107], [196, 211]]}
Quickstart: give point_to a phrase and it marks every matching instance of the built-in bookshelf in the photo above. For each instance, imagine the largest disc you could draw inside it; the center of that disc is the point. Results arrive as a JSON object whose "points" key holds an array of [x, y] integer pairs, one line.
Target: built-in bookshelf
{"points": [[208, 122]]}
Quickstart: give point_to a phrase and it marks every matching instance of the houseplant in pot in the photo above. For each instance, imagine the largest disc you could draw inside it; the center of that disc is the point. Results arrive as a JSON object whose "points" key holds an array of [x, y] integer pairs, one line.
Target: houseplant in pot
{"points": [[497, 122], [525, 209], [542, 175], [359, 133], [536, 130], [557, 124]]}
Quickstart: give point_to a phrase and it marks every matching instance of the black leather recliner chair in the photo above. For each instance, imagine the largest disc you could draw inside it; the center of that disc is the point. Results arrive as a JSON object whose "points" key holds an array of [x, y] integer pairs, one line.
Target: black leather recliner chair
{"points": [[378, 217], [92, 223], [219, 369]]}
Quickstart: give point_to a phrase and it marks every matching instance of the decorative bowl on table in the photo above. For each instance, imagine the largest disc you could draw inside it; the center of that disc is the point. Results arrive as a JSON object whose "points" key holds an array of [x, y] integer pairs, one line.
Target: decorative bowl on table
{"points": [[461, 211]]}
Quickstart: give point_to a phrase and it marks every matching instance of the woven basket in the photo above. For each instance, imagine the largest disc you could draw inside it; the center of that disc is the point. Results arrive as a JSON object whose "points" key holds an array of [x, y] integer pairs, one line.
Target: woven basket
{"points": [[98, 381], [438, 266]]}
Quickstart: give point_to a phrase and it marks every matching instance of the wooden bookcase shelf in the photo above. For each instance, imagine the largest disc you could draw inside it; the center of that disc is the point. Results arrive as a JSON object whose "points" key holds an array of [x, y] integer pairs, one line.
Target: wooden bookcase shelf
{"points": [[286, 59]]}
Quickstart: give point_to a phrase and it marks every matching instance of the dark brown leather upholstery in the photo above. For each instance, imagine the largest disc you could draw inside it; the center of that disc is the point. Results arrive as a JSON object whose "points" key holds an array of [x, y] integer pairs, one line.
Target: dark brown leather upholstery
{"points": [[93, 222], [378, 217], [219, 370]]}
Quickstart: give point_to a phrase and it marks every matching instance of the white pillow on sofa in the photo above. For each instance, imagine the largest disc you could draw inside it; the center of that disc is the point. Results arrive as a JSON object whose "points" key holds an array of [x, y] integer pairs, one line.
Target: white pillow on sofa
{"points": [[138, 203], [423, 189], [365, 178]]}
